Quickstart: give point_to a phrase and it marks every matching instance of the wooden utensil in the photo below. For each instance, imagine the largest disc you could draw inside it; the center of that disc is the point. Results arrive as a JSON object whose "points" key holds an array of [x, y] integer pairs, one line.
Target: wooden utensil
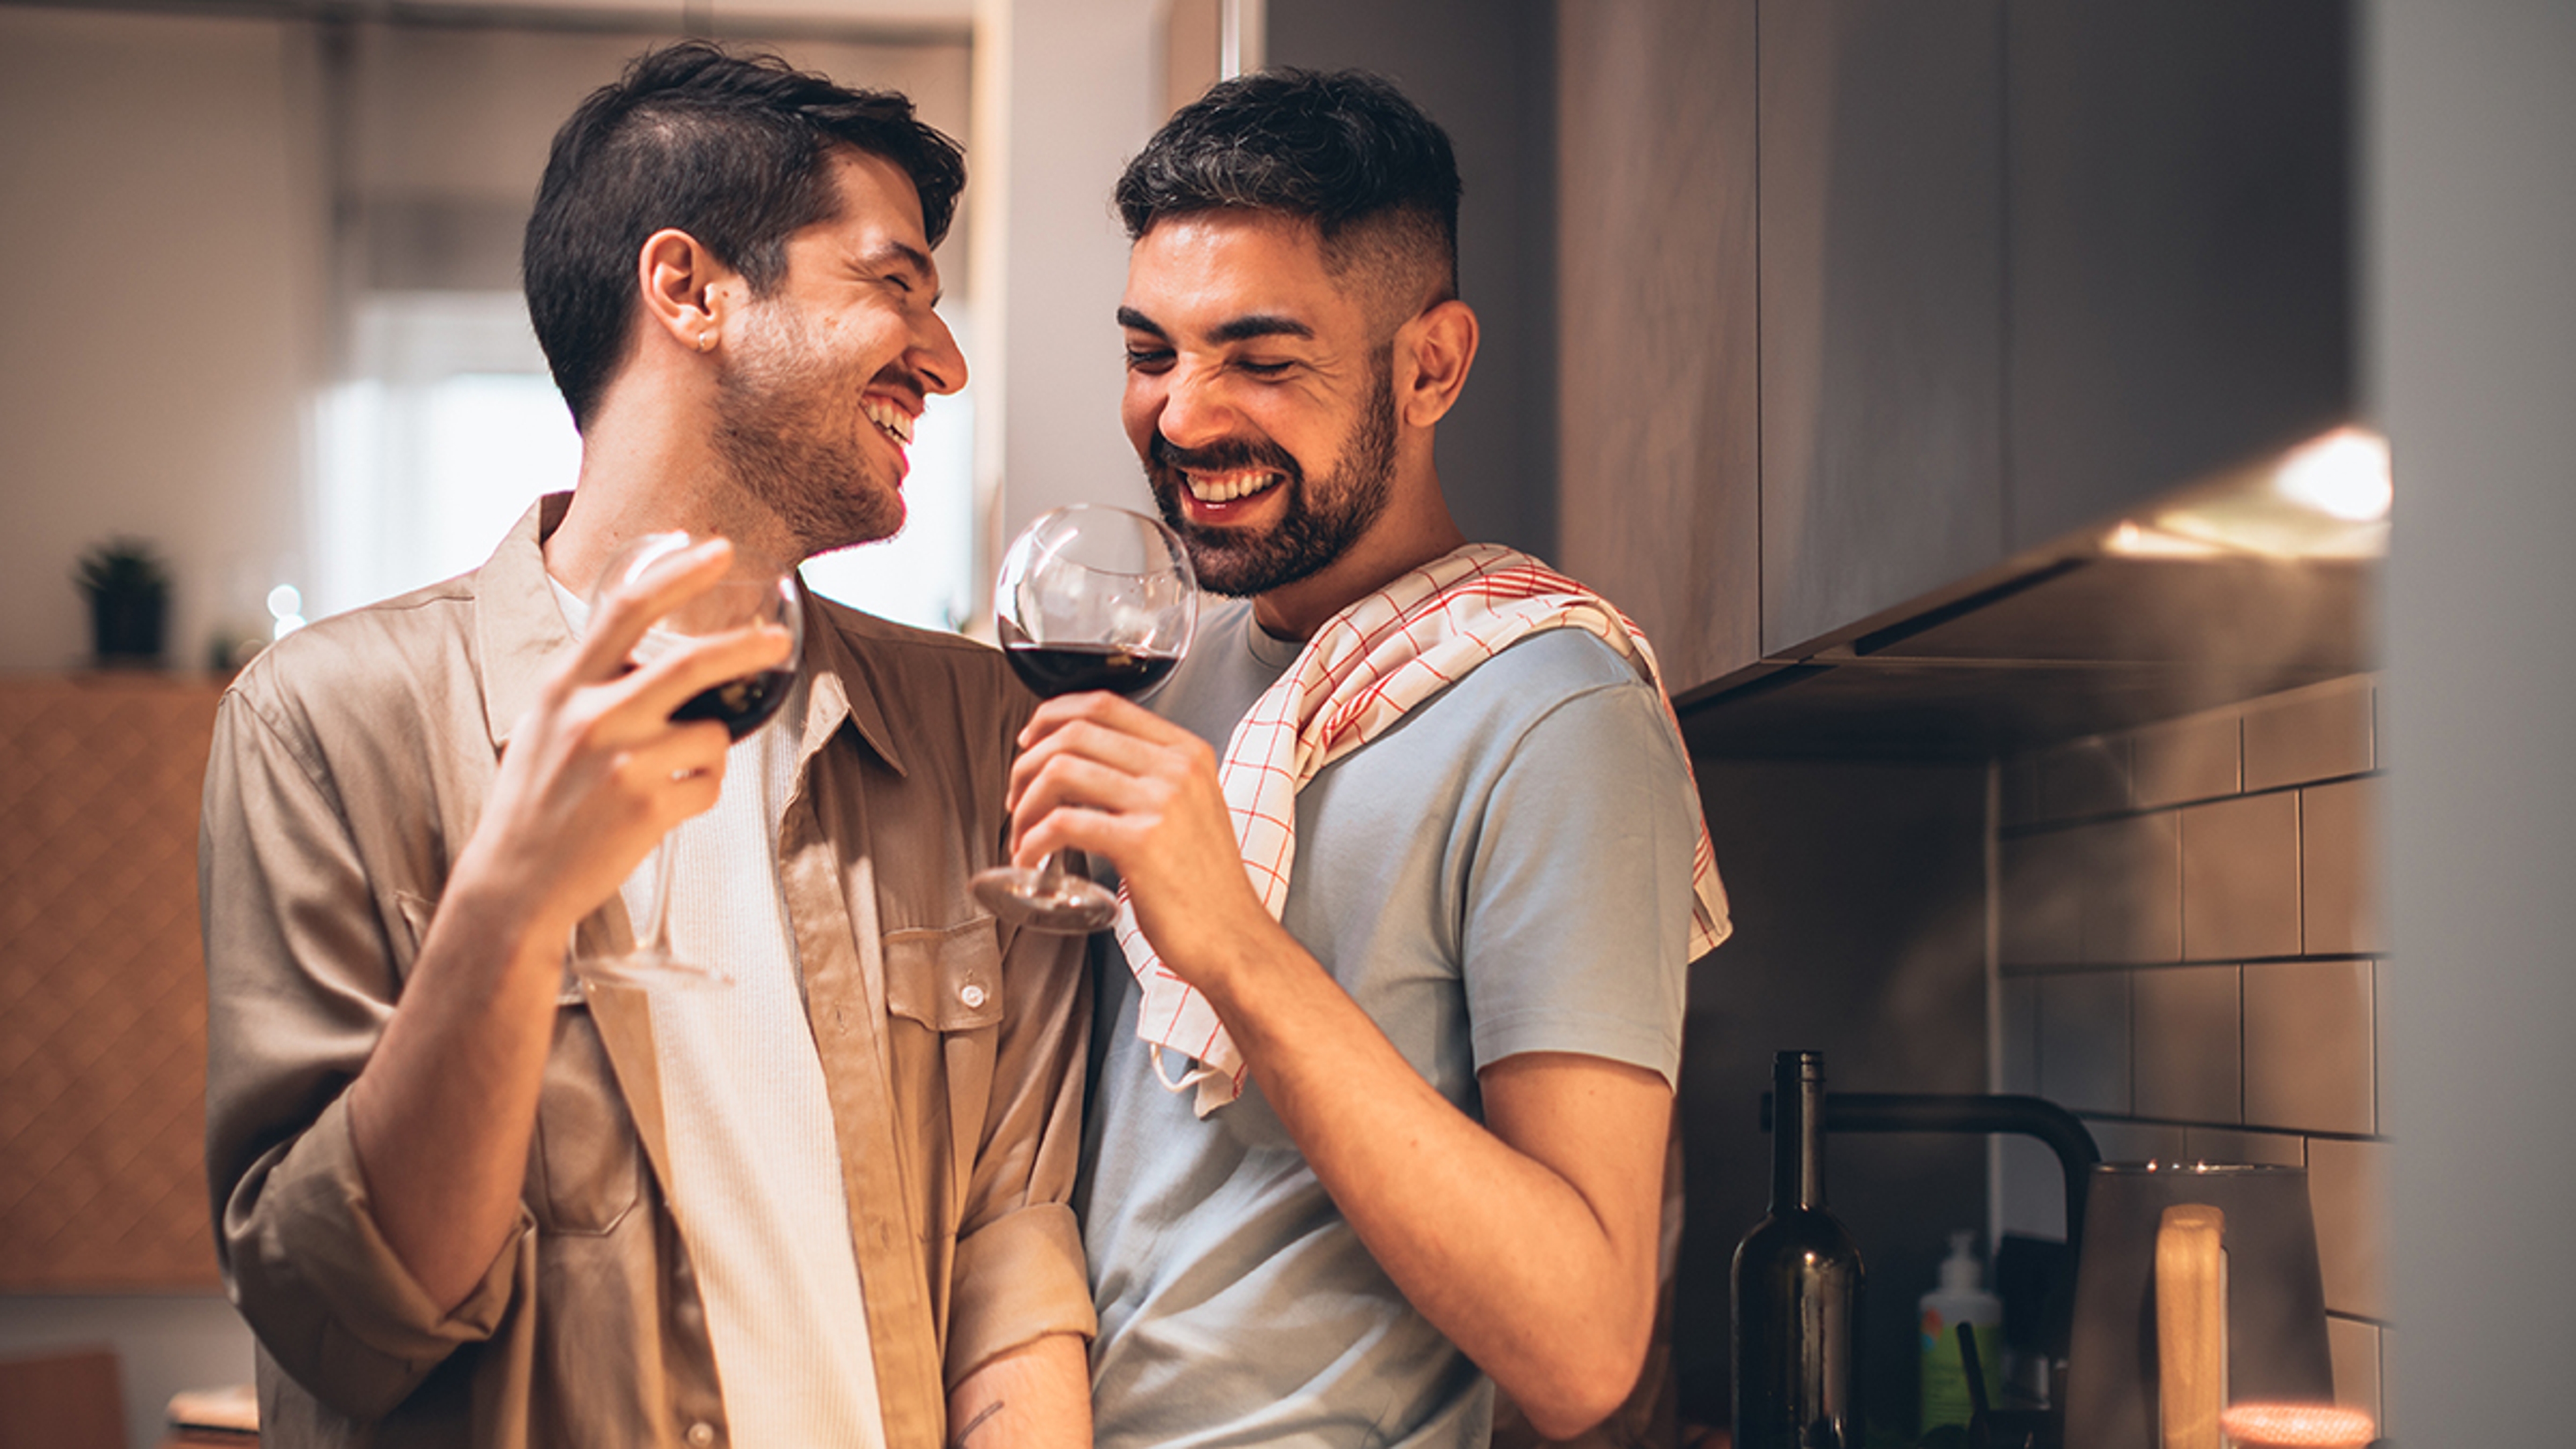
{"points": [[2191, 1324]]}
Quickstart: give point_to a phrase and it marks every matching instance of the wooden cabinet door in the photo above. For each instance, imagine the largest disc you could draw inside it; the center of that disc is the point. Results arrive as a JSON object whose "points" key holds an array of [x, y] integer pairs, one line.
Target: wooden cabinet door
{"points": [[1881, 306], [2181, 292], [1656, 419]]}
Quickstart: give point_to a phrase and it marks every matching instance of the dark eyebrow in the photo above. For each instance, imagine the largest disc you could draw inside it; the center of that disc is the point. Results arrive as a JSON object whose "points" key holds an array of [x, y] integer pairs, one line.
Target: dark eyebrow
{"points": [[1260, 324], [1233, 329]]}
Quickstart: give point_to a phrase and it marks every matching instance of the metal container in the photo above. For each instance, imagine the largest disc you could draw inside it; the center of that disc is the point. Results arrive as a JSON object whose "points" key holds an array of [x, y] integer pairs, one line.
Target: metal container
{"points": [[2276, 1311]]}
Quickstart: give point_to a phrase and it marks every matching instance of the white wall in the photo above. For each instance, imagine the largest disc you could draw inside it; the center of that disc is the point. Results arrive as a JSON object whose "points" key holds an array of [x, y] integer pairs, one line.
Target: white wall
{"points": [[1081, 78], [162, 219], [2472, 227]]}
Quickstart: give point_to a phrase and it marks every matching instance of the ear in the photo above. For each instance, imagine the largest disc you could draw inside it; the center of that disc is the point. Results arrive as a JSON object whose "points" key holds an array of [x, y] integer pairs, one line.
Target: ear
{"points": [[1433, 353], [687, 292]]}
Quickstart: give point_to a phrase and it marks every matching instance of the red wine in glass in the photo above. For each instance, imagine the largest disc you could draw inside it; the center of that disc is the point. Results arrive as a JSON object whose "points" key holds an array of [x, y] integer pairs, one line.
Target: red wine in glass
{"points": [[1072, 668], [1087, 598], [741, 705]]}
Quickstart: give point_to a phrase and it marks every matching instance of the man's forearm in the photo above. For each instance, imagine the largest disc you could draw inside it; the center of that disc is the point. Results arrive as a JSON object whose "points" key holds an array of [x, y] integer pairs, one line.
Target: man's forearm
{"points": [[442, 1115], [1536, 1256], [1037, 1396]]}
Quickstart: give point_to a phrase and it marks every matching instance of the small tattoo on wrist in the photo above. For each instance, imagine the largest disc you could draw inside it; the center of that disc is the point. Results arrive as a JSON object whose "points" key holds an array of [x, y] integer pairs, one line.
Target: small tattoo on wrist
{"points": [[958, 1439]]}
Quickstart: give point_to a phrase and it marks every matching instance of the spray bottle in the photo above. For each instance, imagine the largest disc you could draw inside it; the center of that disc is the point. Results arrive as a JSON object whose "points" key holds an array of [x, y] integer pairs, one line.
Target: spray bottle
{"points": [[1961, 1298]]}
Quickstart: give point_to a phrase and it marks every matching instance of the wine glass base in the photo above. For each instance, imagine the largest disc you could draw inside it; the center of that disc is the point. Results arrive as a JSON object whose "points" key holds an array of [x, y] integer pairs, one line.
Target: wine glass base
{"points": [[650, 971], [1067, 905]]}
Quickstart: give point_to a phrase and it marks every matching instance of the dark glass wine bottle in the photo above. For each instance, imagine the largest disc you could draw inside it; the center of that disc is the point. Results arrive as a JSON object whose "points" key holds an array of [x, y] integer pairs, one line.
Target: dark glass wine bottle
{"points": [[1796, 1288]]}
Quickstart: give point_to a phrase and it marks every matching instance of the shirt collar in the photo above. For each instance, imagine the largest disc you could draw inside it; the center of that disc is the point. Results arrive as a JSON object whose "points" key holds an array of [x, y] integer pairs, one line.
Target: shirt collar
{"points": [[518, 629], [521, 633]]}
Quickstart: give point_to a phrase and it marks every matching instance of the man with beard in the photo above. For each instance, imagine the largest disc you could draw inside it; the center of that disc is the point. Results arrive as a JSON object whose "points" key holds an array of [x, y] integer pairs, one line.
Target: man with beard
{"points": [[463, 1198], [1383, 1067]]}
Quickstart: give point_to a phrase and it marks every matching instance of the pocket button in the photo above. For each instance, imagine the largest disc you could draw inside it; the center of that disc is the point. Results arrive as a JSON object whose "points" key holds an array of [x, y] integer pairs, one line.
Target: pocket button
{"points": [[971, 994]]}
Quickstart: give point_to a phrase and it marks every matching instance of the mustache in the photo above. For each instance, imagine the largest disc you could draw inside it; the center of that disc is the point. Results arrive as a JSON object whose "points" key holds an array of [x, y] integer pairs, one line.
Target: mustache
{"points": [[895, 374], [1222, 456]]}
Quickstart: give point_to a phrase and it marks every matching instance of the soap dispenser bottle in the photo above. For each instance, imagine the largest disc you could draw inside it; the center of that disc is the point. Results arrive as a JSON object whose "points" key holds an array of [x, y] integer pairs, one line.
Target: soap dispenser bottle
{"points": [[1961, 1298]]}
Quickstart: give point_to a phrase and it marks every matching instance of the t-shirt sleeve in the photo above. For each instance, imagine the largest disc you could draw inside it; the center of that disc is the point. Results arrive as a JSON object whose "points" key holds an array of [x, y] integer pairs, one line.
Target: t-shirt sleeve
{"points": [[1578, 910]]}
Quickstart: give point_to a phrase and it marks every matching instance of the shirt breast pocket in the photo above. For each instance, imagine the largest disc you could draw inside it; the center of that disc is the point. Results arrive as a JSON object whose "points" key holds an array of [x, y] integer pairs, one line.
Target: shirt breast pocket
{"points": [[948, 979], [944, 1007]]}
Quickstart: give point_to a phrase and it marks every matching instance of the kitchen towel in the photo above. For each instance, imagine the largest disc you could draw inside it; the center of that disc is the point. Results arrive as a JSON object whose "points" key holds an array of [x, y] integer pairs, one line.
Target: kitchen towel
{"points": [[1360, 672]]}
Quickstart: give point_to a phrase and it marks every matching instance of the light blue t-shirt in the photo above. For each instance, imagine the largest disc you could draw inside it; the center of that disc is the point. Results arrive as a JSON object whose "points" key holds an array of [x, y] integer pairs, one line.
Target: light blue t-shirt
{"points": [[1506, 870]]}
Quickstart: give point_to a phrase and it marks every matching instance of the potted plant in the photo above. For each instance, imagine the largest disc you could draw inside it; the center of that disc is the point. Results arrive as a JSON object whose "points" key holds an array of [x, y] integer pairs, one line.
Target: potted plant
{"points": [[129, 602]]}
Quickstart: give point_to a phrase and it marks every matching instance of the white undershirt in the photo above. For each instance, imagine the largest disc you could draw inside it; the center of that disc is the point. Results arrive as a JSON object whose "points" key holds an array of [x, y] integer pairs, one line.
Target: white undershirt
{"points": [[755, 1166]]}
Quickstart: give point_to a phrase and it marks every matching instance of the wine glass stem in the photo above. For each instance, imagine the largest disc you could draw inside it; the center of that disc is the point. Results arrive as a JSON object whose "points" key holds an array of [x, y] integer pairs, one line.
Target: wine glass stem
{"points": [[1051, 875], [657, 942]]}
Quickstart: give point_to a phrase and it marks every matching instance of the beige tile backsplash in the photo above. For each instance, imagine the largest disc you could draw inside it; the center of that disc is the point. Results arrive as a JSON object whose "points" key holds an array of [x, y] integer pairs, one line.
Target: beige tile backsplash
{"points": [[2043, 891], [2355, 1347], [2199, 758], [2084, 1040], [2346, 1180], [2338, 846], [2226, 1144], [2132, 890], [2309, 1062], [2240, 877], [2190, 943], [2307, 734], [2188, 1047]]}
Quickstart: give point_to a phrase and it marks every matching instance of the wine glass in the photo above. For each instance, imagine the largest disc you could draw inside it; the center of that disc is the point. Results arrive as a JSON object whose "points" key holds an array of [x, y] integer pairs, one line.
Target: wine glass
{"points": [[753, 592], [1089, 597]]}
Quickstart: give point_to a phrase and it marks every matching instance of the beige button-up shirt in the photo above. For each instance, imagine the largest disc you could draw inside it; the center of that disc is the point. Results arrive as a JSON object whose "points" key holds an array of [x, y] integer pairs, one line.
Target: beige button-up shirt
{"points": [[350, 764]]}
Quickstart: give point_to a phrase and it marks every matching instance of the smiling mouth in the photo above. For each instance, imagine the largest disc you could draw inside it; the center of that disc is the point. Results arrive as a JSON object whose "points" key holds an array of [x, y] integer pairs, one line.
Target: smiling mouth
{"points": [[890, 420], [1232, 485]]}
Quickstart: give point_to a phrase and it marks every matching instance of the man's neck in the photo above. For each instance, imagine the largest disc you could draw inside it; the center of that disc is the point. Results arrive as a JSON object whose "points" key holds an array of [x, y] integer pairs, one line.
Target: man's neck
{"points": [[1404, 537], [650, 478]]}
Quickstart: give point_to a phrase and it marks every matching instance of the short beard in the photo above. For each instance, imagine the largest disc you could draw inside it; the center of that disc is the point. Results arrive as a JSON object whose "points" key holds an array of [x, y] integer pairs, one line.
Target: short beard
{"points": [[1318, 527], [787, 430]]}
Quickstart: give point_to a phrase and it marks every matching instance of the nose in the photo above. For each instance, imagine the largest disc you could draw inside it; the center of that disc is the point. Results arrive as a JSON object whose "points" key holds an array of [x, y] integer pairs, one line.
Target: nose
{"points": [[935, 357], [1194, 411]]}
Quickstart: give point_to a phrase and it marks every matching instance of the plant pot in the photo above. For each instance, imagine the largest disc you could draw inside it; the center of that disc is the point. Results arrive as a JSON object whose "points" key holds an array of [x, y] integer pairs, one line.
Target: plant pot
{"points": [[126, 629]]}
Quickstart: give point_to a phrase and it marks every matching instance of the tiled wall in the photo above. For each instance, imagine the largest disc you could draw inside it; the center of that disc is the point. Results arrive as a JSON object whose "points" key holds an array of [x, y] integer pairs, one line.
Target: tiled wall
{"points": [[2190, 959]]}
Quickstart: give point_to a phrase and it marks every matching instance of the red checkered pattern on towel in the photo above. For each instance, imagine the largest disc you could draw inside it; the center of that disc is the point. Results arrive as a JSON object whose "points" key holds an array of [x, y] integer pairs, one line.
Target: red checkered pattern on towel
{"points": [[1363, 669]]}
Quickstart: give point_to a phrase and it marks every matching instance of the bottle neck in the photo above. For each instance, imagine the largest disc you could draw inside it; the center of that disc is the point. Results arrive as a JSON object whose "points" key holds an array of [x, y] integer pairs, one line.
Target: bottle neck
{"points": [[1797, 1139]]}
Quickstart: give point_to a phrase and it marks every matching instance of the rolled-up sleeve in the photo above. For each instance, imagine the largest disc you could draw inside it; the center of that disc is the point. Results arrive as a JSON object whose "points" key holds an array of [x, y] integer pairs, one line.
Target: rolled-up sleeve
{"points": [[302, 969], [1019, 1272]]}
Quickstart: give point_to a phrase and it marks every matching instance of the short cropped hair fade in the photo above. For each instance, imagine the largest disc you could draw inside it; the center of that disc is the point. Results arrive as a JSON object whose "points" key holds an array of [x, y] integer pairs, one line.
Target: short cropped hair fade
{"points": [[733, 149], [1342, 149]]}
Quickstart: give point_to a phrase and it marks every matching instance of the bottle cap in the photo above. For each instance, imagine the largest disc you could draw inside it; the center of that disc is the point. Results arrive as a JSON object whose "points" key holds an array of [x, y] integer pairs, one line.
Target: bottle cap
{"points": [[1961, 1272]]}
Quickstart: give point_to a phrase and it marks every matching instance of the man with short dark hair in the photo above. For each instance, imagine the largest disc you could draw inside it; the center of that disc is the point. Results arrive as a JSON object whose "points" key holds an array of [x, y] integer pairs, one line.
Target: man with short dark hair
{"points": [[1384, 1061], [464, 1198]]}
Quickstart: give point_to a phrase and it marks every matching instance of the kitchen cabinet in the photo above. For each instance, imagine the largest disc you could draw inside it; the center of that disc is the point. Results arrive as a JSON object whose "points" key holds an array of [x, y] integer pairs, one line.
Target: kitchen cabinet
{"points": [[102, 976], [1657, 426], [2181, 286], [1870, 310], [1881, 277]]}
